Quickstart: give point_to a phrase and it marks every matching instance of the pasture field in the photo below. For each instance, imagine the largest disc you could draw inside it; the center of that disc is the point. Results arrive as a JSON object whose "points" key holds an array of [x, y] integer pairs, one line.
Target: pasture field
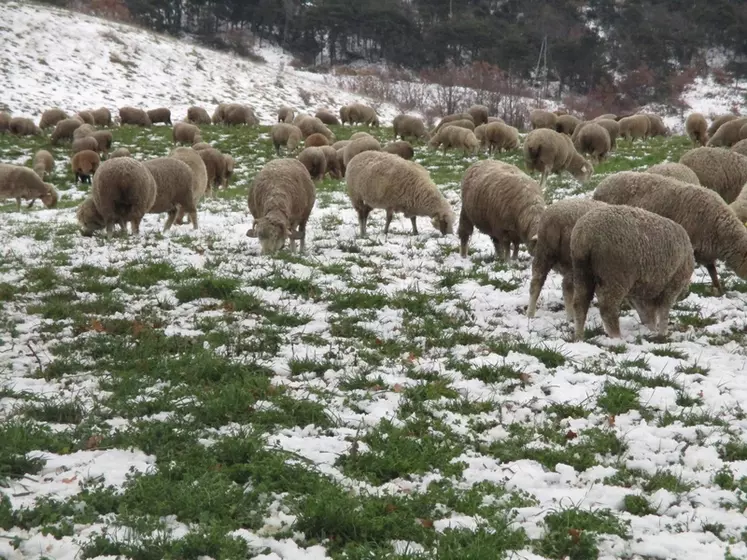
{"points": [[180, 396]]}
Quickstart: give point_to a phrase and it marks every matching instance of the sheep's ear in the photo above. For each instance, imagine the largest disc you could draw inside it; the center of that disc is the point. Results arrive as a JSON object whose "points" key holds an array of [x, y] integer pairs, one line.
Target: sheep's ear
{"points": [[251, 233], [534, 238]]}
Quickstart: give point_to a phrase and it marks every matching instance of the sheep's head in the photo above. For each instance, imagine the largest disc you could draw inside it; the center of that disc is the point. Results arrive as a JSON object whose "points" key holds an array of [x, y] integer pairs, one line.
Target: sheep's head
{"points": [[89, 219], [271, 233], [50, 197], [584, 170], [444, 221]]}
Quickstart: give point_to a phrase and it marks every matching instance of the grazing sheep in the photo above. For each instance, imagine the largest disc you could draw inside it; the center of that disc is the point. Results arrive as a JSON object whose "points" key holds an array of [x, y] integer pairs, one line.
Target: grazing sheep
{"points": [[84, 165], [635, 126], [566, 124], [160, 115], [612, 128], [606, 117], [284, 134], [199, 175], [85, 143], [500, 202], [312, 125], [22, 126], [341, 144], [5, 119], [479, 114], [740, 147], [83, 131], [677, 171], [547, 151], [123, 191], [219, 113], [406, 126], [697, 128], [455, 137], [461, 123], [593, 140], [327, 117], [51, 117], [120, 152], [102, 116], [64, 130], [451, 118], [382, 180], [198, 115], [401, 148], [285, 114], [333, 163], [719, 121], [87, 117], [280, 200], [357, 135], [174, 194], [42, 163], [104, 139], [345, 115], [543, 119], [718, 169], [235, 114], [315, 161], [229, 164], [357, 146], [498, 136], [715, 231], [185, 133], [316, 139], [21, 182], [201, 146], [496, 119], [215, 165], [629, 253], [727, 134], [134, 116], [656, 126], [362, 114]]}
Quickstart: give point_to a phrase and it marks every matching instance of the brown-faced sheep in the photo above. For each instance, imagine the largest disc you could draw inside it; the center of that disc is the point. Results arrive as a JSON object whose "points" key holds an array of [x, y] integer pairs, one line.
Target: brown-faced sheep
{"points": [[134, 116], [185, 133], [87, 117], [316, 140], [740, 147], [498, 136], [85, 143], [51, 117], [43, 163], [455, 137], [23, 183], [566, 124], [628, 253], [500, 202], [362, 114], [284, 134], [22, 126], [479, 114], [719, 121], [198, 115], [235, 114], [285, 114], [677, 171], [634, 127], [406, 126], [327, 117], [123, 191], [727, 134], [357, 146], [315, 161], [333, 163], [84, 165], [120, 152], [401, 148], [697, 129], [173, 189], [312, 125], [540, 118], [104, 139], [160, 115], [215, 165], [382, 180], [547, 151], [718, 169], [83, 131], [5, 119], [102, 116], [64, 130], [199, 175], [715, 231], [593, 140], [280, 200]]}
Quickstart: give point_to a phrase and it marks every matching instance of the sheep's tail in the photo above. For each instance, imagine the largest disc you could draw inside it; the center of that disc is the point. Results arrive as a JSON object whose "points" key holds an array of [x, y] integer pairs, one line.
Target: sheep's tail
{"points": [[123, 203]]}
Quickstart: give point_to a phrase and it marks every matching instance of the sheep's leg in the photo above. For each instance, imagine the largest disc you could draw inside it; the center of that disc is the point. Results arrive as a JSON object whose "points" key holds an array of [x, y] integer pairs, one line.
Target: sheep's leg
{"points": [[543, 179], [109, 230], [18, 204], [179, 217], [135, 224], [646, 313], [31, 203], [413, 219], [515, 254], [583, 292], [539, 275], [568, 296], [610, 298], [363, 213], [389, 216], [711, 268], [170, 220], [193, 218], [302, 235], [465, 229], [505, 248]]}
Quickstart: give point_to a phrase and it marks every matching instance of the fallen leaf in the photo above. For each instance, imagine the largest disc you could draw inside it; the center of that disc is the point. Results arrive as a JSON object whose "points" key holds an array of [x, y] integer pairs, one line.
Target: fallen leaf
{"points": [[570, 434], [575, 535], [137, 328], [97, 325], [611, 420], [398, 388], [94, 441], [70, 480], [427, 523], [525, 378]]}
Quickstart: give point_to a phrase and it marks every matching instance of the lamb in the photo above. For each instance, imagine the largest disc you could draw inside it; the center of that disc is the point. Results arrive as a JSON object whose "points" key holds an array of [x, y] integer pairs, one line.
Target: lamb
{"points": [[42, 163], [315, 161], [64, 130], [174, 183], [552, 248], [87, 117], [327, 117], [5, 119], [345, 114], [358, 146], [543, 119], [451, 118], [718, 122], [51, 117], [363, 114], [198, 115], [498, 136], [715, 231], [406, 126], [455, 137], [479, 114], [102, 116], [23, 183], [284, 134], [566, 124], [740, 147], [192, 159], [635, 126], [621, 252], [333, 163], [22, 126], [160, 115], [612, 128], [236, 114], [593, 140], [401, 148], [677, 171], [123, 191], [285, 114], [134, 116], [83, 130], [548, 152], [312, 125], [85, 164], [104, 140], [280, 200], [316, 139], [656, 125], [185, 133], [382, 180], [215, 165], [727, 134], [503, 203], [85, 143], [120, 152], [718, 169], [697, 128]]}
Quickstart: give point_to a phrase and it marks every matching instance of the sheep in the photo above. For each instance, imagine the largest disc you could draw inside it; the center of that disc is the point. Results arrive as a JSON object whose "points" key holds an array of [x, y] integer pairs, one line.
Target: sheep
{"points": [[237, 114], [498, 136], [593, 140], [401, 148], [198, 115], [285, 114], [552, 248], [42, 163], [123, 191], [83, 130], [635, 126], [548, 152], [160, 115], [743, 133], [479, 114], [284, 134], [64, 130], [455, 137], [229, 165], [656, 125], [363, 114], [714, 229], [23, 183], [612, 128], [280, 200], [333, 163], [727, 134], [543, 119], [345, 115], [718, 169], [341, 144], [120, 152], [406, 126], [199, 175], [718, 122], [620, 253], [87, 117], [495, 119], [383, 180], [451, 118], [51, 117], [316, 139], [358, 146], [5, 119], [102, 116], [134, 116], [503, 203], [85, 143], [341, 160], [697, 128], [185, 133], [740, 147], [677, 171], [104, 140], [215, 165], [315, 160], [22, 126], [312, 125], [174, 194], [327, 117], [201, 146], [566, 124], [85, 164], [461, 123], [219, 113], [361, 134], [606, 117]]}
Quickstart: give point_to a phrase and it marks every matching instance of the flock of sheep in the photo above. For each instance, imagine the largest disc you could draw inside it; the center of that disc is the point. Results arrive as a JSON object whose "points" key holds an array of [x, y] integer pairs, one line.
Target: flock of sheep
{"points": [[637, 239]]}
